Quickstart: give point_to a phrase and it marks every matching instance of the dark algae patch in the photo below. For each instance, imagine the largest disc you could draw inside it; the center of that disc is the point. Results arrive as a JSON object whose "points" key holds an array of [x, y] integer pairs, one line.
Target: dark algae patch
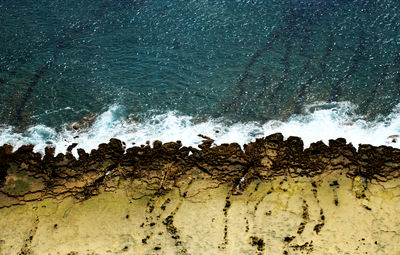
{"points": [[174, 233], [307, 247], [144, 240], [169, 223], [164, 205], [288, 239], [367, 208], [18, 187], [227, 205], [305, 218], [26, 247], [318, 227], [257, 242], [225, 211]]}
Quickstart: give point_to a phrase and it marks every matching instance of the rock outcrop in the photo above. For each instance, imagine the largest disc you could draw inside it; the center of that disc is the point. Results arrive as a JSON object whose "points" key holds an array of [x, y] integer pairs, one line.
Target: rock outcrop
{"points": [[273, 197], [29, 176]]}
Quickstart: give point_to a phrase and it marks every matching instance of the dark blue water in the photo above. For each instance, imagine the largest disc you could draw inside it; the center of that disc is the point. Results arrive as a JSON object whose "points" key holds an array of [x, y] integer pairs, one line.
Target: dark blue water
{"points": [[152, 69]]}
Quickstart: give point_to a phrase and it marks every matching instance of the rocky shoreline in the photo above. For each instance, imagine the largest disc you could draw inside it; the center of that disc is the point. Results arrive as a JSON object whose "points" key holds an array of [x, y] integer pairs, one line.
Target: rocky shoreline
{"points": [[28, 176], [306, 195]]}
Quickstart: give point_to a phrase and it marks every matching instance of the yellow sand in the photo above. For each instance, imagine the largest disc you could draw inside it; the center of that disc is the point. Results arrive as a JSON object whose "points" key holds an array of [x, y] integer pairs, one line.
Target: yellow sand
{"points": [[284, 216]]}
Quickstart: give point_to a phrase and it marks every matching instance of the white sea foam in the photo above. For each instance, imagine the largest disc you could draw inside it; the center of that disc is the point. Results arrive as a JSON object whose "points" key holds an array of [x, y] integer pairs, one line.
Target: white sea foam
{"points": [[320, 122]]}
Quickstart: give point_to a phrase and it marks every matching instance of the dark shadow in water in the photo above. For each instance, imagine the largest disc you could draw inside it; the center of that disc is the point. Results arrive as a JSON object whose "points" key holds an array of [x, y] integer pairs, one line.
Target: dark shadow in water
{"points": [[355, 64], [19, 119], [281, 98], [323, 64], [296, 24]]}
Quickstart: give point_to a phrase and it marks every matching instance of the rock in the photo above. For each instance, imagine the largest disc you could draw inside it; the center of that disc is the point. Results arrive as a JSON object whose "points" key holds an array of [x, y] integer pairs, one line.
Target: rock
{"points": [[170, 196], [207, 142], [157, 144], [49, 151], [71, 147], [162, 166]]}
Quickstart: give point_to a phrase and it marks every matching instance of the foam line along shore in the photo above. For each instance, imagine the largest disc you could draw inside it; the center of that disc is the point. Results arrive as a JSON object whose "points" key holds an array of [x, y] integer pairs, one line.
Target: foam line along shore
{"points": [[320, 122]]}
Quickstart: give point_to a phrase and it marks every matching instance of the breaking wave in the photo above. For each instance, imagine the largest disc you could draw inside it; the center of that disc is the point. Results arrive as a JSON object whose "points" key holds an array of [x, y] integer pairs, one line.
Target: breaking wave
{"points": [[319, 122]]}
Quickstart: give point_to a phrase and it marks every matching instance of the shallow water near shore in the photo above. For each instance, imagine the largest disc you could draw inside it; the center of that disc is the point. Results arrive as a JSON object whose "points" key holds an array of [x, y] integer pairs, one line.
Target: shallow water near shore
{"points": [[318, 124], [170, 70]]}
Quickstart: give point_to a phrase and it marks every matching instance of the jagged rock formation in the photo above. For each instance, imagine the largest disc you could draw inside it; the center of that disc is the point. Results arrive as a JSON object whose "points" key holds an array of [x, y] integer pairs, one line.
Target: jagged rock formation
{"points": [[272, 198], [27, 176]]}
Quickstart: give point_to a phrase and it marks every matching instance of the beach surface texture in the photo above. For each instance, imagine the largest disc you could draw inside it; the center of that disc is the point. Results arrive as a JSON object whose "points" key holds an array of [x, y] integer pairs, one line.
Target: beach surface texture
{"points": [[273, 197]]}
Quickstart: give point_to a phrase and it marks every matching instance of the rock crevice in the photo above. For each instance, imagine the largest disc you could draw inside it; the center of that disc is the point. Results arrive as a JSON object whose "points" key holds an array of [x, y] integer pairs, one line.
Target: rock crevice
{"points": [[29, 176]]}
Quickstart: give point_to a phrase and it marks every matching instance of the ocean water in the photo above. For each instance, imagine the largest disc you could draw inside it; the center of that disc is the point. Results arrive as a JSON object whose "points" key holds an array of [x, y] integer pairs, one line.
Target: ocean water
{"points": [[140, 70]]}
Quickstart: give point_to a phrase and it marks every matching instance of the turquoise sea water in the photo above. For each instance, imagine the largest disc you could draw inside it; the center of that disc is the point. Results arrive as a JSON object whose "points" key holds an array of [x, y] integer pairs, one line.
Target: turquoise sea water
{"points": [[170, 69]]}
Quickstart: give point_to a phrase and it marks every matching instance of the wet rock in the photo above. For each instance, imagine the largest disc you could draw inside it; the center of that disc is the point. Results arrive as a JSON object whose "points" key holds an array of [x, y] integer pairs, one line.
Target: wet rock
{"points": [[207, 142], [5, 153], [83, 156], [226, 162], [71, 147], [157, 144], [49, 152], [84, 123]]}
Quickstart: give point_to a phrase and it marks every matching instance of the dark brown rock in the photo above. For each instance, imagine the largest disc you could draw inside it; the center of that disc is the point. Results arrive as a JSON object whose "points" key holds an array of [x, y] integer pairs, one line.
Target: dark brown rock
{"points": [[160, 167]]}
